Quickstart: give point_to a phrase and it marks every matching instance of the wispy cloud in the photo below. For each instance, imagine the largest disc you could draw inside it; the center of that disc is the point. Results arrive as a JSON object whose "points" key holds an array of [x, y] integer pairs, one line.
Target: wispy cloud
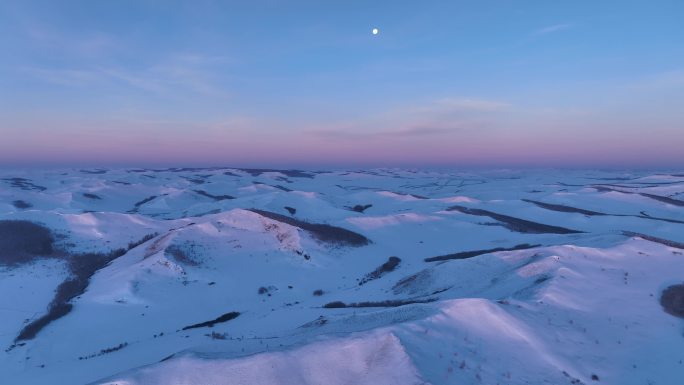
{"points": [[463, 105], [175, 75], [552, 29], [84, 45], [442, 117], [407, 132], [63, 77]]}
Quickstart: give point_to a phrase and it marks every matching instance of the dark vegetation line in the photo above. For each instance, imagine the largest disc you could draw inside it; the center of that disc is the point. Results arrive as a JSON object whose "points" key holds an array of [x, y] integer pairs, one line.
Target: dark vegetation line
{"points": [[195, 180], [137, 205], [569, 209], [181, 169], [651, 238], [621, 178], [612, 185], [191, 169], [387, 303], [95, 171], [322, 232], [516, 224], [92, 196], [410, 195], [646, 216], [279, 187], [475, 253], [562, 208], [82, 267], [102, 352], [656, 183], [660, 198], [389, 266], [24, 184], [668, 200], [146, 200], [224, 318], [214, 197], [282, 188]]}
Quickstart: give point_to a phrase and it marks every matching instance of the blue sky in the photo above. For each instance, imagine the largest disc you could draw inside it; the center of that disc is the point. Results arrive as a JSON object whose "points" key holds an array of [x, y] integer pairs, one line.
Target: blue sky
{"points": [[566, 83]]}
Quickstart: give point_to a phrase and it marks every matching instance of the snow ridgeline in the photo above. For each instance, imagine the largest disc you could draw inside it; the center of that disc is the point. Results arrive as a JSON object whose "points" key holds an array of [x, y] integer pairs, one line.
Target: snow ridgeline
{"points": [[227, 276]]}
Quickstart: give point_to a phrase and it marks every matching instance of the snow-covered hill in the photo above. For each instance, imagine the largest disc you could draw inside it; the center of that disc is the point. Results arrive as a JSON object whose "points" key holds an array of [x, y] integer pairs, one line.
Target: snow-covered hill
{"points": [[249, 276]]}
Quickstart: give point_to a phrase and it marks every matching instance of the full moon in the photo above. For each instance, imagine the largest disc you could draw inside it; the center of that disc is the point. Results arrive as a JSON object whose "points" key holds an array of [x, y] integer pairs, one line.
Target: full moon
{"points": [[375, 31]]}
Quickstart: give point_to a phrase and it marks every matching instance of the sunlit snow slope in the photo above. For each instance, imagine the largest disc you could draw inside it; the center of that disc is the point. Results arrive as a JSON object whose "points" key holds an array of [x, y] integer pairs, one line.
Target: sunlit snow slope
{"points": [[247, 276]]}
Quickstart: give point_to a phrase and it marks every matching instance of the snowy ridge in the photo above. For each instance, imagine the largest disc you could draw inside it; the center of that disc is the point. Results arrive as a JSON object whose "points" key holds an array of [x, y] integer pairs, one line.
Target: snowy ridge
{"points": [[278, 276]]}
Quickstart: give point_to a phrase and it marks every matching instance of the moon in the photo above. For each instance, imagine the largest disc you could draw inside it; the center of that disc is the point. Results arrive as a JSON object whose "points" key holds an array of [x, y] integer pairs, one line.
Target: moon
{"points": [[375, 31]]}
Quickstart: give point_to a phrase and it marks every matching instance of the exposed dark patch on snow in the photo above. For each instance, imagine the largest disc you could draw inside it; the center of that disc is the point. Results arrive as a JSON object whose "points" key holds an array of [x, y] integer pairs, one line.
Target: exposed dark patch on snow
{"points": [[475, 253], [414, 283], [516, 224], [360, 208], [20, 204], [573, 380], [92, 196], [291, 210], [23, 241], [320, 321], [185, 253], [389, 266], [223, 318], [672, 300], [322, 232]]}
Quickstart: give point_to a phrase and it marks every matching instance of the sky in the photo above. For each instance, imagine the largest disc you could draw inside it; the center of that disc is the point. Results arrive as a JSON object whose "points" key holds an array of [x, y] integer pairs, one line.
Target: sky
{"points": [[462, 83]]}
